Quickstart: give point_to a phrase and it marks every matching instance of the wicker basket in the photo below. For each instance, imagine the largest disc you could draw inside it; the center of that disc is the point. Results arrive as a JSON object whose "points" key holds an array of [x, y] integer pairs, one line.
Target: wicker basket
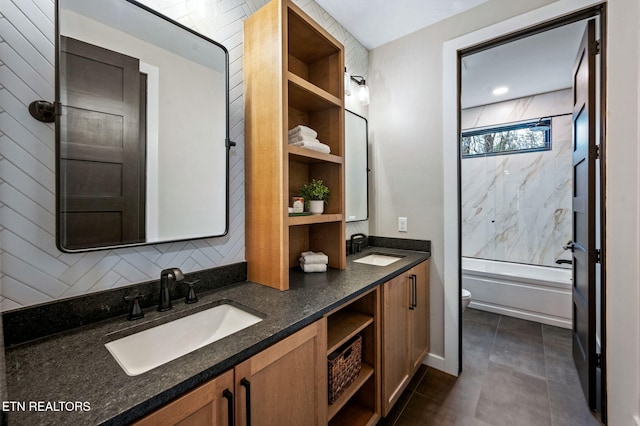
{"points": [[344, 367]]}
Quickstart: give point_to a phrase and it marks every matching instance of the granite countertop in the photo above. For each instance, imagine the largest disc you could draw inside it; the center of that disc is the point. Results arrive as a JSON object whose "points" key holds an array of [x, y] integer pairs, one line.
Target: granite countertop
{"points": [[75, 366]]}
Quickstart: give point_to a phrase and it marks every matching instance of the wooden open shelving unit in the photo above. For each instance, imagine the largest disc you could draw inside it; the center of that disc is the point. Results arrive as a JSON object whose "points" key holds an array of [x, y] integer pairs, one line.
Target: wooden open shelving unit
{"points": [[360, 402], [293, 74]]}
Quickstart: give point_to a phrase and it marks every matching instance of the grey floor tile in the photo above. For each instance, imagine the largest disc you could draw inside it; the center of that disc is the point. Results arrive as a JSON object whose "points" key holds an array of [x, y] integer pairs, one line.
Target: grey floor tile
{"points": [[423, 411], [515, 372], [459, 394], [482, 317], [510, 397], [556, 335], [518, 349], [533, 329], [562, 370], [478, 334], [569, 407]]}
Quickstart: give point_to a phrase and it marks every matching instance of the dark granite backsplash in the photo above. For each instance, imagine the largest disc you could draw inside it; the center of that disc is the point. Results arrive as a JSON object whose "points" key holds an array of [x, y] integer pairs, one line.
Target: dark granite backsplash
{"points": [[62, 315], [393, 243]]}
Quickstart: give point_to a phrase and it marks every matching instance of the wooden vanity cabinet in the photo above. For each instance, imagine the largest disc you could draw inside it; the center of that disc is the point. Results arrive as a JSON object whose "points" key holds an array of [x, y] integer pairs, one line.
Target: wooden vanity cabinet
{"points": [[405, 330], [284, 384], [208, 404]]}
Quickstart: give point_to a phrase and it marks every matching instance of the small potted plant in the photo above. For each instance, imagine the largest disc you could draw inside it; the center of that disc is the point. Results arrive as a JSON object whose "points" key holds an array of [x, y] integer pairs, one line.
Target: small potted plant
{"points": [[316, 193]]}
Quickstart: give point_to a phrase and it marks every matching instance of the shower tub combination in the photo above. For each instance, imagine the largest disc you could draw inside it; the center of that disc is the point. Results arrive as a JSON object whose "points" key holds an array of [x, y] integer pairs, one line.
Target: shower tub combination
{"points": [[531, 292]]}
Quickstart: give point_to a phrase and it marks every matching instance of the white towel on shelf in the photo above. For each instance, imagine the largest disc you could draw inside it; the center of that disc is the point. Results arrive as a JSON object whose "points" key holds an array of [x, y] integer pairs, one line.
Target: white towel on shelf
{"points": [[310, 258], [313, 267], [316, 146], [303, 130], [302, 138]]}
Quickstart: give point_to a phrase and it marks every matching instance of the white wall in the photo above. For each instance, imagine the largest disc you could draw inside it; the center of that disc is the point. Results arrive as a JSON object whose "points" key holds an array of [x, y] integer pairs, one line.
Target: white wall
{"points": [[621, 193], [33, 270], [406, 130], [623, 211]]}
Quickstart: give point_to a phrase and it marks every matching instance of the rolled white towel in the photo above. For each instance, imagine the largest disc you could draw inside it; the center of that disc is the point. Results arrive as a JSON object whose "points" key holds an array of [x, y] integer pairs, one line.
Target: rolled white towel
{"points": [[316, 146], [303, 130], [309, 258], [313, 267]]}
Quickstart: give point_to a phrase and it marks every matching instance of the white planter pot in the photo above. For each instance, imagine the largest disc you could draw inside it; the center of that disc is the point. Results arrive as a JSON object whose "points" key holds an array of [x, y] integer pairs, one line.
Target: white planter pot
{"points": [[316, 207]]}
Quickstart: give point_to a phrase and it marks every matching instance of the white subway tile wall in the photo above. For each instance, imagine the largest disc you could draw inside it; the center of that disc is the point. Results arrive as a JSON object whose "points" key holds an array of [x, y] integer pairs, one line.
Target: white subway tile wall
{"points": [[32, 269]]}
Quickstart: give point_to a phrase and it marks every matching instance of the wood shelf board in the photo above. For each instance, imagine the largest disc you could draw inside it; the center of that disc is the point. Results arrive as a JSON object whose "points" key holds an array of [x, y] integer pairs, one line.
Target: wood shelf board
{"points": [[304, 155], [355, 414], [317, 218], [343, 325], [311, 42], [365, 373], [308, 97]]}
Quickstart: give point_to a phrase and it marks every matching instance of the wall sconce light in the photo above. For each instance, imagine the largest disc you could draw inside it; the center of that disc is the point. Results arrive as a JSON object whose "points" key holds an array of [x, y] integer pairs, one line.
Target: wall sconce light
{"points": [[347, 82], [363, 89]]}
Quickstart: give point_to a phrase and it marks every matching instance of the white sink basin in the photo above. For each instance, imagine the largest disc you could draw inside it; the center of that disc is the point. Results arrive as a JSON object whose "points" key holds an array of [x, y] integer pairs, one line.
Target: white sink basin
{"points": [[151, 348], [378, 259]]}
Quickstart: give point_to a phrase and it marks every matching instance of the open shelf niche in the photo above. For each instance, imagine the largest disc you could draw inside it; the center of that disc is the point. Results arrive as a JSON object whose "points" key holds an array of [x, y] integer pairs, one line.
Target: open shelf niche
{"points": [[305, 87], [360, 402]]}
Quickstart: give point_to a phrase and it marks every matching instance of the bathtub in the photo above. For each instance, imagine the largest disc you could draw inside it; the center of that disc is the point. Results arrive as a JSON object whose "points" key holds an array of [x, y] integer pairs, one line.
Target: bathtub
{"points": [[531, 292]]}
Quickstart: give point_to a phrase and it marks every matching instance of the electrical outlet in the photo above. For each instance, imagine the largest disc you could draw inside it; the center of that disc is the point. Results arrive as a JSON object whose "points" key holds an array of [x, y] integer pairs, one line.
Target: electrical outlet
{"points": [[402, 224]]}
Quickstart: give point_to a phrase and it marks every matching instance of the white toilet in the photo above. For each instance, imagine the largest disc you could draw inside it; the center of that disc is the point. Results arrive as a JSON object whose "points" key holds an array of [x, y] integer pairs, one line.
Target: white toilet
{"points": [[466, 298]]}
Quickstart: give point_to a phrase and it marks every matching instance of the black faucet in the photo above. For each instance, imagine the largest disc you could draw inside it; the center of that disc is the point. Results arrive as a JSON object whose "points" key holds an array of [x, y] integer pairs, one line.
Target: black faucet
{"points": [[167, 275], [355, 248]]}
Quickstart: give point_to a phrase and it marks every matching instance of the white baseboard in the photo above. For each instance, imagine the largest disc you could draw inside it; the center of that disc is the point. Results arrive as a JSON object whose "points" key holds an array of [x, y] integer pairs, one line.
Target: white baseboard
{"points": [[520, 313], [437, 362]]}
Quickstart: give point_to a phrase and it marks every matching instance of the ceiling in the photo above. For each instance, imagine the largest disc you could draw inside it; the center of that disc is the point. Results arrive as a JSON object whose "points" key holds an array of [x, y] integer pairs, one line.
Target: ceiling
{"points": [[537, 64], [376, 22]]}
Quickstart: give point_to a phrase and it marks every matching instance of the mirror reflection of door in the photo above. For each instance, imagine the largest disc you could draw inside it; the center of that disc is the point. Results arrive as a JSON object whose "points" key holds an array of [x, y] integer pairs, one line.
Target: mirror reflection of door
{"points": [[172, 187], [102, 146]]}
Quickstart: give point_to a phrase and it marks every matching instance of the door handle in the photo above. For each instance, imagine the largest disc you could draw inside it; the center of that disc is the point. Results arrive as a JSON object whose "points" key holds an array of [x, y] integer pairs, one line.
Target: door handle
{"points": [[570, 245], [247, 385], [229, 397]]}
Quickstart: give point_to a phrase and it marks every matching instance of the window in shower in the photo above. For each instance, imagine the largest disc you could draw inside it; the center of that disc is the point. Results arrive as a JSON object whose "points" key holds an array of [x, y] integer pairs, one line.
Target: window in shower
{"points": [[509, 139]]}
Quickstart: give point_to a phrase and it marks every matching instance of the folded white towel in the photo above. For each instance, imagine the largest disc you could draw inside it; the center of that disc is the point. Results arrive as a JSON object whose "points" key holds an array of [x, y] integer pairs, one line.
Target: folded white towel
{"points": [[316, 146], [302, 138], [309, 258], [313, 268], [303, 130]]}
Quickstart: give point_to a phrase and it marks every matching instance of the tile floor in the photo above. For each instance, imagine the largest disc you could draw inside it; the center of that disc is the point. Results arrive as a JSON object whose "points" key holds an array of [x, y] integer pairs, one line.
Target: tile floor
{"points": [[515, 373]]}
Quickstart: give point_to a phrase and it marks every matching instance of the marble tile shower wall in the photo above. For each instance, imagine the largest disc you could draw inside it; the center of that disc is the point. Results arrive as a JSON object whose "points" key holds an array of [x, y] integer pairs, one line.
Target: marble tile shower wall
{"points": [[517, 208], [32, 269]]}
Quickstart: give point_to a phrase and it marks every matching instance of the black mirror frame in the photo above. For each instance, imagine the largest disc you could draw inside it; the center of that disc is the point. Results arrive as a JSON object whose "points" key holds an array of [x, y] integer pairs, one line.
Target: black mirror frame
{"points": [[228, 143], [366, 125]]}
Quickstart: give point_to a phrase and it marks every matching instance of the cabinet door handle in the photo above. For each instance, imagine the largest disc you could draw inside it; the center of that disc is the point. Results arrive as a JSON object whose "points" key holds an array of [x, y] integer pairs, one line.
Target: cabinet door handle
{"points": [[411, 293], [415, 290], [247, 384], [229, 396]]}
